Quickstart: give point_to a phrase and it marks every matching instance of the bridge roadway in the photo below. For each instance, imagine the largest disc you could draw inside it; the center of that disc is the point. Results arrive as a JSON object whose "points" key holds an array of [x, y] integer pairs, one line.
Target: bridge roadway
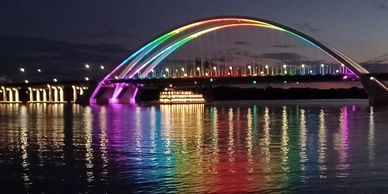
{"points": [[234, 80], [47, 92]]}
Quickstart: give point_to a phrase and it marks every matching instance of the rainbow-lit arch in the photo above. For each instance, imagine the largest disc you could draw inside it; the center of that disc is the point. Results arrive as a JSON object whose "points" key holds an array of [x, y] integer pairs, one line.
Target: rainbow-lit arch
{"points": [[147, 57]]}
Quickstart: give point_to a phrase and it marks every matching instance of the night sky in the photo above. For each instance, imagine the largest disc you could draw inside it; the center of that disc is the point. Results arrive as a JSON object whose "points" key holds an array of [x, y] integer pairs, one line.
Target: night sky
{"points": [[107, 31]]}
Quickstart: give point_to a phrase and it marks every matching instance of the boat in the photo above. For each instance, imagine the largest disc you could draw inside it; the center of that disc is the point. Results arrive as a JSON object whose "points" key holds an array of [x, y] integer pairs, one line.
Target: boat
{"points": [[172, 96]]}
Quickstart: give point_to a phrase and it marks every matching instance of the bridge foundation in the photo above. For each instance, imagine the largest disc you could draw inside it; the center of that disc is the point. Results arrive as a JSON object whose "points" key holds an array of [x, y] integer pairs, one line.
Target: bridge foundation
{"points": [[116, 93], [376, 90]]}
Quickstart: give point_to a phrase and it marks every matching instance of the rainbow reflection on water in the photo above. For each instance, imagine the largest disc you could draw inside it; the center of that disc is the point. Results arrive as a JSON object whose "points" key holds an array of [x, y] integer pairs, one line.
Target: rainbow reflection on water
{"points": [[227, 147]]}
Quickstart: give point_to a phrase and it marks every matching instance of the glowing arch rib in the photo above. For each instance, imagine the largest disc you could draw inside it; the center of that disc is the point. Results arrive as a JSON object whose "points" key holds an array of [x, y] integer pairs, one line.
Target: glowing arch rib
{"points": [[209, 25], [146, 58]]}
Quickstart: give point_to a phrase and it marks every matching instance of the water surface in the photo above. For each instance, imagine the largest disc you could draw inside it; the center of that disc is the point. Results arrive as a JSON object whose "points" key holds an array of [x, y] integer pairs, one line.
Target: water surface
{"points": [[229, 147]]}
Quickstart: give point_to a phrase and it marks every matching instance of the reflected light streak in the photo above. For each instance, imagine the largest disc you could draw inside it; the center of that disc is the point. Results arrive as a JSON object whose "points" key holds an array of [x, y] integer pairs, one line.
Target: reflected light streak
{"points": [[24, 147], [103, 143], [342, 143], [371, 137], [249, 139], [87, 120], [266, 141], [231, 139], [284, 140], [215, 133], [303, 140], [322, 144]]}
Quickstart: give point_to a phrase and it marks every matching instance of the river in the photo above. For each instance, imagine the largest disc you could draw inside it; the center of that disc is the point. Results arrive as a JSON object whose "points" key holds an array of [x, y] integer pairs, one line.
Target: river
{"points": [[224, 147]]}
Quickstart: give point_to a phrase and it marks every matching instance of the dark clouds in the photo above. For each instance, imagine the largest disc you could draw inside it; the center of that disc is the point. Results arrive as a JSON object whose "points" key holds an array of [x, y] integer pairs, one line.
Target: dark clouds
{"points": [[382, 6], [55, 58], [283, 46], [308, 27]]}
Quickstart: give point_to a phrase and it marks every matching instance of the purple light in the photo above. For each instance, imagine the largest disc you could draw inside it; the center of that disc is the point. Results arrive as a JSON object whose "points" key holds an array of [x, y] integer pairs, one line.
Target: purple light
{"points": [[133, 98]]}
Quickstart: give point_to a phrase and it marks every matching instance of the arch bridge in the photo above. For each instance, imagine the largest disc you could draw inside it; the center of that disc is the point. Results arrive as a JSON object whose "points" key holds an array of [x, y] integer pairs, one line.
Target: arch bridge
{"points": [[115, 89]]}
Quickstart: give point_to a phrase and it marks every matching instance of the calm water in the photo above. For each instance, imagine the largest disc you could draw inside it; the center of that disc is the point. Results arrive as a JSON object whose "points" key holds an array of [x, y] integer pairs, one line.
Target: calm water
{"points": [[239, 147]]}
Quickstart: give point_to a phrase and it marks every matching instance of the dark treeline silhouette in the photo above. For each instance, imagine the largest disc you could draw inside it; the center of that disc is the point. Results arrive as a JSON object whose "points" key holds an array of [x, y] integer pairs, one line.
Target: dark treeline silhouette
{"points": [[233, 93]]}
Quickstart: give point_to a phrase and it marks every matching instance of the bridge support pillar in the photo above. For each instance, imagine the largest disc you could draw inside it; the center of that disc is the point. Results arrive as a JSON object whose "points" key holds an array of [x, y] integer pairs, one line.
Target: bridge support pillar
{"points": [[128, 93], [4, 93], [102, 94], [377, 91]]}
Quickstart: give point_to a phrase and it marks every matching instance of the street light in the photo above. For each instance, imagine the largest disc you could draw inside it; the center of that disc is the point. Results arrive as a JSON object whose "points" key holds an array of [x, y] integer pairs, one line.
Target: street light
{"points": [[86, 78], [22, 69], [39, 70], [102, 67], [55, 80], [26, 81], [87, 66]]}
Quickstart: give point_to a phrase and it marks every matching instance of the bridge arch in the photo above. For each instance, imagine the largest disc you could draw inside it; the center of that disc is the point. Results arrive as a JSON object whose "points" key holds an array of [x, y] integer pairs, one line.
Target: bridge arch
{"points": [[150, 55]]}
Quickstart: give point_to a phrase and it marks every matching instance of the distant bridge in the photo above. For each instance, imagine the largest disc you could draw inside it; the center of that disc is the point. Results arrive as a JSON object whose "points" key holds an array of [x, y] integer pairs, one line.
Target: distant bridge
{"points": [[44, 92], [115, 87]]}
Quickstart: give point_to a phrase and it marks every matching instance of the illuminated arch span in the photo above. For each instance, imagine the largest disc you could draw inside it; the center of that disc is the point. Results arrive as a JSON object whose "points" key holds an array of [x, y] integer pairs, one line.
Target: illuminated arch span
{"points": [[150, 55]]}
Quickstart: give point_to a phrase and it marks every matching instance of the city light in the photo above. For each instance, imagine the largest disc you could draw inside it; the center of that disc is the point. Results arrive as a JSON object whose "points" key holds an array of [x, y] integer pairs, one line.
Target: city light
{"points": [[167, 70], [86, 78], [55, 80], [249, 67], [372, 78], [214, 68], [87, 66], [22, 69], [102, 67], [198, 69], [39, 70], [26, 81], [183, 69]]}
